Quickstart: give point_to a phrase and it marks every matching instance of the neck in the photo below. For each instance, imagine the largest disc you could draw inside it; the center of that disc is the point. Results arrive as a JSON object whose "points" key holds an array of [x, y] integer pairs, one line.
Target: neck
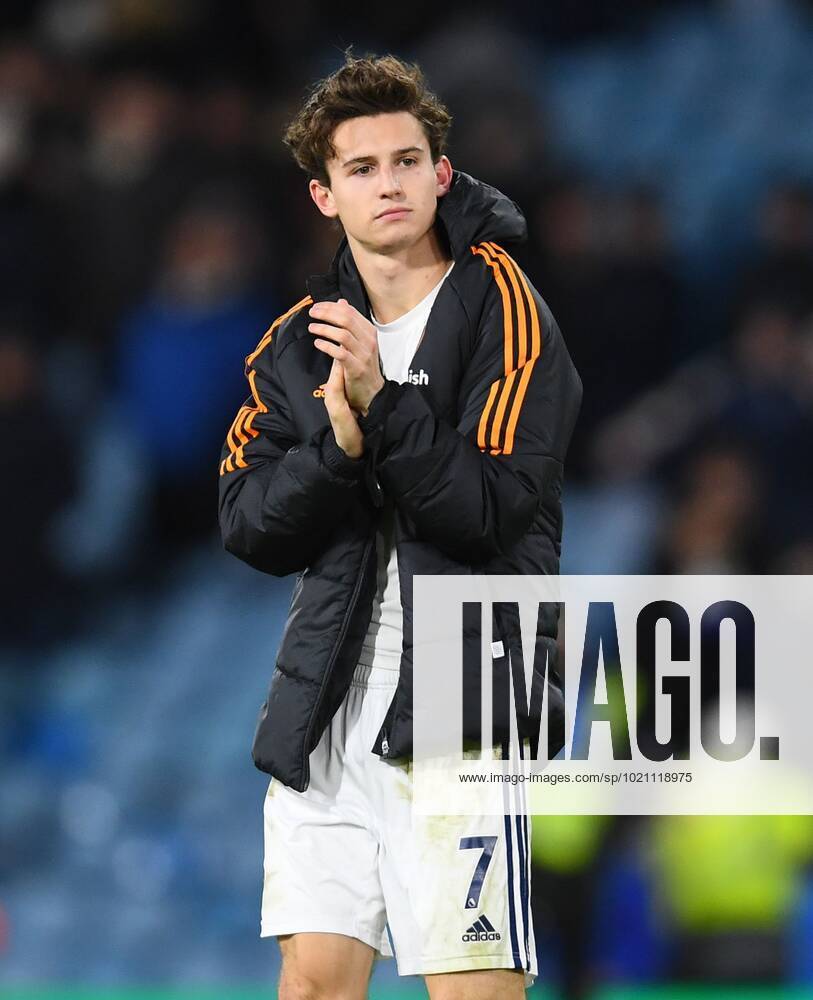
{"points": [[397, 282]]}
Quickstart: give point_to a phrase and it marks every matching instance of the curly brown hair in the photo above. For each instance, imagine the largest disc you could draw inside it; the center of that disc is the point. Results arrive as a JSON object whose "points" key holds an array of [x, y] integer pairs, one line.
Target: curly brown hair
{"points": [[371, 85]]}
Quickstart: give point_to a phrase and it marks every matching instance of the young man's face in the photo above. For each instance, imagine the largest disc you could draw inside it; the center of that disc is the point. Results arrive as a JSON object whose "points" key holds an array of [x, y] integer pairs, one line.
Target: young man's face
{"points": [[384, 186]]}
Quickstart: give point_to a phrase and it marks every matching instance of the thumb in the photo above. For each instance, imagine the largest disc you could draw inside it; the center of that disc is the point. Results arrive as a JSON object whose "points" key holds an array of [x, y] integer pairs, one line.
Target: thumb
{"points": [[335, 380], [335, 399]]}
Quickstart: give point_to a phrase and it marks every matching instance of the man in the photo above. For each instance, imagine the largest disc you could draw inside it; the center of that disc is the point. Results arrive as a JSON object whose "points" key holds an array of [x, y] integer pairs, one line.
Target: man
{"points": [[410, 415]]}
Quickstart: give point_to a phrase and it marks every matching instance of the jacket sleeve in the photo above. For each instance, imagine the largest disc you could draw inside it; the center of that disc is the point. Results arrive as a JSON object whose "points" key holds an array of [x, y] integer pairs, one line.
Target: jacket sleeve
{"points": [[474, 489], [280, 498]]}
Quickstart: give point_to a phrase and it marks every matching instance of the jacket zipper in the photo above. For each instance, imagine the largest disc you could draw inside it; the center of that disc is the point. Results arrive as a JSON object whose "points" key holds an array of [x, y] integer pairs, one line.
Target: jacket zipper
{"points": [[335, 651], [384, 742]]}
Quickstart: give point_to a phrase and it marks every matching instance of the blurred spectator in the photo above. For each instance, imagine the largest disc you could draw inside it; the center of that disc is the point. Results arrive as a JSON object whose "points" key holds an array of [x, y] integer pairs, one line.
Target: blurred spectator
{"points": [[714, 527], [781, 271], [500, 131], [796, 559], [567, 852], [39, 473], [132, 178], [758, 395], [607, 273], [771, 408], [639, 315], [728, 886], [179, 371], [226, 141], [570, 271], [27, 257]]}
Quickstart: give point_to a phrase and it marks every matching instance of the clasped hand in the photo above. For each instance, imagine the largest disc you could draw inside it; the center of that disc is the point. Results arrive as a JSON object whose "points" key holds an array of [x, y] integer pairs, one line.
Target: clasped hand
{"points": [[355, 376]]}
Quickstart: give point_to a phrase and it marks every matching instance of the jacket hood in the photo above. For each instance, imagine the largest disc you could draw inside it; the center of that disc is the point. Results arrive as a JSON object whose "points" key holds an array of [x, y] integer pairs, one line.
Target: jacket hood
{"points": [[470, 213]]}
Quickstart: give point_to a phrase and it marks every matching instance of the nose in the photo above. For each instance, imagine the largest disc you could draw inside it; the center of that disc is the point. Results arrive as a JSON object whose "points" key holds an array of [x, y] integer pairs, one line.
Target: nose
{"points": [[390, 182]]}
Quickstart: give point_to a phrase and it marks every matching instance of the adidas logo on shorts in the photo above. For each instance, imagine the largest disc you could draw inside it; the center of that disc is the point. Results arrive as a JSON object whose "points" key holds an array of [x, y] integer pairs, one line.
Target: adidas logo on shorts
{"points": [[481, 930]]}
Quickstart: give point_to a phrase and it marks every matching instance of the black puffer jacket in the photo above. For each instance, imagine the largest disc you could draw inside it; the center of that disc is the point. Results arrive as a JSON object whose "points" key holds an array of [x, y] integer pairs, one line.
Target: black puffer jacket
{"points": [[472, 459]]}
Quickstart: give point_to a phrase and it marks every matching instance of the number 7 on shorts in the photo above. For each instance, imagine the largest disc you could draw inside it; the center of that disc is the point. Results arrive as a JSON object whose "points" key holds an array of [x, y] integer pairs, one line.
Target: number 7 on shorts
{"points": [[486, 845]]}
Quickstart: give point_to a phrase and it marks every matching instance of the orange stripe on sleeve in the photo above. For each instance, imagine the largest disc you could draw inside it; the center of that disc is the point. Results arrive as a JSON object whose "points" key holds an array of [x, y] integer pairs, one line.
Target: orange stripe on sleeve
{"points": [[522, 340], [248, 427], [529, 349], [481, 429], [500, 264], [536, 337], [242, 429], [506, 307], [509, 296], [231, 433], [234, 431], [232, 442], [252, 381], [512, 421], [269, 333], [498, 416], [536, 351]]}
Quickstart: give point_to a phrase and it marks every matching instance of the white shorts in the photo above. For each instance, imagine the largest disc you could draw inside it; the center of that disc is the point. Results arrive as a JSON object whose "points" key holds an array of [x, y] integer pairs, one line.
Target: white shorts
{"points": [[347, 856]]}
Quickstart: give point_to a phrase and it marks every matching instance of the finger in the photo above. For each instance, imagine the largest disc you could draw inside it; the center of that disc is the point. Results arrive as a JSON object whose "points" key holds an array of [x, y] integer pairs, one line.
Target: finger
{"points": [[342, 314], [335, 382], [357, 350], [336, 402], [359, 326], [352, 366], [337, 333], [334, 350], [359, 353], [358, 334], [335, 399]]}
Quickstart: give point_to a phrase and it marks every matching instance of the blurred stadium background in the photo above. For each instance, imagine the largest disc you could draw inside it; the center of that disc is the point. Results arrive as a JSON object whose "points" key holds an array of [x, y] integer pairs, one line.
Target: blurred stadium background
{"points": [[151, 227]]}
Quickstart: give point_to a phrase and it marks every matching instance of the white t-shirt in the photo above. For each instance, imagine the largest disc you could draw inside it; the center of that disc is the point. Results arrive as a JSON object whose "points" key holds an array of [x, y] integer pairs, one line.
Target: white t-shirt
{"points": [[397, 343]]}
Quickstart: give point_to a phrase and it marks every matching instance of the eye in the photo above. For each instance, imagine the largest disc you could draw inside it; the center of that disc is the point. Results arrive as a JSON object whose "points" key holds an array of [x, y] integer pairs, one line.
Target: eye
{"points": [[408, 160], [365, 167]]}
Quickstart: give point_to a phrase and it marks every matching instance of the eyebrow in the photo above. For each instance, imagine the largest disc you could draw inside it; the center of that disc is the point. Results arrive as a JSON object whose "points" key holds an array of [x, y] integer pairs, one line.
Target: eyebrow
{"points": [[367, 159]]}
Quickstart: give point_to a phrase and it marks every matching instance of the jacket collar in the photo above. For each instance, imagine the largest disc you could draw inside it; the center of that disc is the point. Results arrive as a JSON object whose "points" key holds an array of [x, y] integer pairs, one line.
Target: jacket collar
{"points": [[470, 213]]}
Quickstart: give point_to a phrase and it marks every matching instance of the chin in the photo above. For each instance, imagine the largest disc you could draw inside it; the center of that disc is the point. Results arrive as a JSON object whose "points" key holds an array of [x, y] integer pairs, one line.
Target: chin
{"points": [[403, 241]]}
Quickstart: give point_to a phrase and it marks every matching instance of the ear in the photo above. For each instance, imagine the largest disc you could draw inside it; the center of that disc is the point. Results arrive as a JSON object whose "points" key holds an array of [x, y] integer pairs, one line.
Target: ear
{"points": [[323, 199], [443, 176]]}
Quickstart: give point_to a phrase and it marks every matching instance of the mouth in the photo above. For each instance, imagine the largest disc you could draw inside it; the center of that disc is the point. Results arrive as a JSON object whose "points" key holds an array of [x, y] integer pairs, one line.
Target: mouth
{"points": [[394, 213]]}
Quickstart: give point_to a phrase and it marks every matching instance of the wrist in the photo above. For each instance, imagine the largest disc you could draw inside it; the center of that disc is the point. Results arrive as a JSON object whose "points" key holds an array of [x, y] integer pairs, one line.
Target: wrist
{"points": [[376, 390], [339, 461], [351, 449], [349, 439], [378, 408]]}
